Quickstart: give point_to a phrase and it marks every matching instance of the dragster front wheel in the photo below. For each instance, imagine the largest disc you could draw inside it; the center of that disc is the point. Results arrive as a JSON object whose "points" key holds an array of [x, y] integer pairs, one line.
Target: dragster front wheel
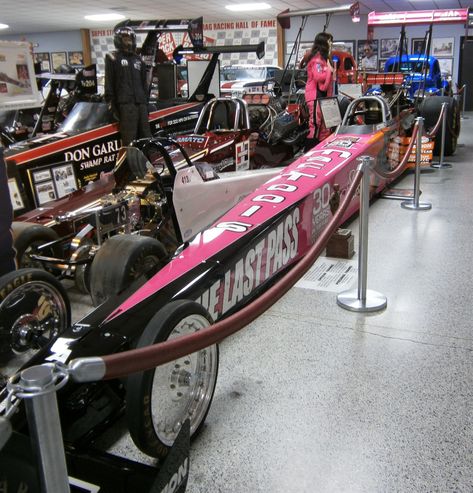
{"points": [[158, 401], [34, 310]]}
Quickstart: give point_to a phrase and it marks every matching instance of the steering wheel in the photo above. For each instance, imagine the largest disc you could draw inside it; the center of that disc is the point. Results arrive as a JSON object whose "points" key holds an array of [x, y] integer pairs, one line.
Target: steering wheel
{"points": [[355, 118]]}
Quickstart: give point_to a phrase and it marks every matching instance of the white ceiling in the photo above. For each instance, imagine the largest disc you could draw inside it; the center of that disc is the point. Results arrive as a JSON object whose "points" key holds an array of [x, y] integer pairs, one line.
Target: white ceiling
{"points": [[31, 16]]}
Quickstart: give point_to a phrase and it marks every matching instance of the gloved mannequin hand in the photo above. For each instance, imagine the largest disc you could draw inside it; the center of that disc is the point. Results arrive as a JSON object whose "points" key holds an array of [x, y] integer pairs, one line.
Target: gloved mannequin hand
{"points": [[114, 111]]}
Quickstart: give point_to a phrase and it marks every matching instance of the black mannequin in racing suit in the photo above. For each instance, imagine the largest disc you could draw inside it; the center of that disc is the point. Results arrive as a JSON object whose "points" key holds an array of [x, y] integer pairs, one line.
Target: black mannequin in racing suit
{"points": [[7, 254], [126, 89]]}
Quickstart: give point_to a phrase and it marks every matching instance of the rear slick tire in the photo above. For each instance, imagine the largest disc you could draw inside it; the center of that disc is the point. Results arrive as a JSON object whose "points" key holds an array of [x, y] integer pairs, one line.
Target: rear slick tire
{"points": [[430, 109], [158, 401], [121, 260]]}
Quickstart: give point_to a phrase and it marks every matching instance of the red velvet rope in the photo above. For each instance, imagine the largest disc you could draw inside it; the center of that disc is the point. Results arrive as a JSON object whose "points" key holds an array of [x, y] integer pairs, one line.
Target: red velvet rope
{"points": [[136, 360], [434, 131]]}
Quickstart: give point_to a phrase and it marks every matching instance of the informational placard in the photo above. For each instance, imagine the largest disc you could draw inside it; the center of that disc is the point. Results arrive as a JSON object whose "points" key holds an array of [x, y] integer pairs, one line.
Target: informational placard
{"points": [[53, 182], [330, 111], [64, 180], [351, 90], [15, 196], [330, 274], [18, 87], [45, 192]]}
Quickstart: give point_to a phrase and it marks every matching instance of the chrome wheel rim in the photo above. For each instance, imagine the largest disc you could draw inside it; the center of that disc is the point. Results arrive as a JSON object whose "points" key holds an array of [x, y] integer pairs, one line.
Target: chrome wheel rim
{"points": [[34, 314], [183, 388]]}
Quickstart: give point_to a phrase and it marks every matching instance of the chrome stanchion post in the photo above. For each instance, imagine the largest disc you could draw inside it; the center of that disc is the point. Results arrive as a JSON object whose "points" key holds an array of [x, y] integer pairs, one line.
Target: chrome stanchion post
{"points": [[463, 117], [38, 388], [363, 299], [441, 164], [414, 204]]}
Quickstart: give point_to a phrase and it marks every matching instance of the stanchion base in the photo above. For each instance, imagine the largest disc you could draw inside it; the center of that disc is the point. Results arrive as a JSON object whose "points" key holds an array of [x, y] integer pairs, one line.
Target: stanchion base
{"points": [[397, 194], [441, 165], [422, 206], [374, 301]]}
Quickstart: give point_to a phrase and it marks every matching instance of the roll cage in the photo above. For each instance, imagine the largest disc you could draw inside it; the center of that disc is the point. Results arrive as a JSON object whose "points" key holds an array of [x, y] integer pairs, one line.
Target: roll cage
{"points": [[367, 113]]}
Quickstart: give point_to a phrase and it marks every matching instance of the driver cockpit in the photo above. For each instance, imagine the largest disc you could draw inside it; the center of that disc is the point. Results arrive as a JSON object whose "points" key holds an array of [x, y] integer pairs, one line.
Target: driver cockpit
{"points": [[367, 111]]}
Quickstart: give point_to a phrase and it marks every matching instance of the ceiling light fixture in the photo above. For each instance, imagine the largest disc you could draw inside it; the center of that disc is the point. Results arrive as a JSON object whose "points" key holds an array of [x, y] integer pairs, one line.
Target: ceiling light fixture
{"points": [[247, 7], [104, 17], [4, 26]]}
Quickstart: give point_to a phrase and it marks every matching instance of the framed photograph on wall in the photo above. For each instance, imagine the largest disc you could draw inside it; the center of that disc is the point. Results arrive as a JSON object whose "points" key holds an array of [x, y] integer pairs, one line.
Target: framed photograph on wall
{"points": [[442, 47], [304, 46], [417, 45], [344, 45], [446, 66], [58, 58], [367, 54], [388, 47], [381, 65], [44, 60], [75, 58]]}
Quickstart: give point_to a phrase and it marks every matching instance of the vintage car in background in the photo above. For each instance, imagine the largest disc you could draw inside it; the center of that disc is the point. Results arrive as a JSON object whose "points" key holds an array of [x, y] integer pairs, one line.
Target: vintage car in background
{"points": [[346, 67], [423, 80], [234, 77], [422, 73]]}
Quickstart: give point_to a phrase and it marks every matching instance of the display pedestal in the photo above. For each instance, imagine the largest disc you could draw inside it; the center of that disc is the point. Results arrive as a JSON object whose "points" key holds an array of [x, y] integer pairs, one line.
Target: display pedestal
{"points": [[341, 244]]}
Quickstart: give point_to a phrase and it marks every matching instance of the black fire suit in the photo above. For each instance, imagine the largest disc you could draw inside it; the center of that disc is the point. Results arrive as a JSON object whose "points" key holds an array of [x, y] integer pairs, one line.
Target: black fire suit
{"points": [[127, 92], [7, 254]]}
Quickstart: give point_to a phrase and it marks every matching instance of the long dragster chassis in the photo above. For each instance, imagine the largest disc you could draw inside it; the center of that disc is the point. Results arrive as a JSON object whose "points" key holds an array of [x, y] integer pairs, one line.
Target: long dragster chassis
{"points": [[228, 274]]}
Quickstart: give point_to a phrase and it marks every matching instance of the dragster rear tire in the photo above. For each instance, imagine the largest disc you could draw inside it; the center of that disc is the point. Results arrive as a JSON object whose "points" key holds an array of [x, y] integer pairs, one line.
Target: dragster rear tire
{"points": [[158, 401], [121, 260], [430, 109], [27, 237]]}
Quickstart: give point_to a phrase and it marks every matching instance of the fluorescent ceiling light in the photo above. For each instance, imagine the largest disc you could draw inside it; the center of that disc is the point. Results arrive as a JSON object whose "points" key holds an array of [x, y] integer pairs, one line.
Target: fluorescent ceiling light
{"points": [[247, 7], [104, 17], [4, 26]]}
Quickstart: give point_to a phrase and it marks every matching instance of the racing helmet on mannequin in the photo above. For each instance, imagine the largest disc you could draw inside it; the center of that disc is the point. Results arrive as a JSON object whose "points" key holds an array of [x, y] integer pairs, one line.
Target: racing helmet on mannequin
{"points": [[124, 40]]}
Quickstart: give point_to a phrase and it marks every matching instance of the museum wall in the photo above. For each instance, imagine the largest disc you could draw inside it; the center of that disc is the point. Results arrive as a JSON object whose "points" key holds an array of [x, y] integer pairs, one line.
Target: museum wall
{"points": [[242, 32], [343, 28], [50, 42]]}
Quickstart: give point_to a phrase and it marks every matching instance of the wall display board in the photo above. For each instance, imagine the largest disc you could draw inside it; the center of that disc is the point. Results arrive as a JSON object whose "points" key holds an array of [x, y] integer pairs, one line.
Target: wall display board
{"points": [[417, 46], [388, 47], [296, 57], [344, 45], [44, 60], [75, 58], [245, 32], [367, 54], [58, 58], [15, 196], [442, 47], [53, 182], [215, 33], [446, 66], [18, 88]]}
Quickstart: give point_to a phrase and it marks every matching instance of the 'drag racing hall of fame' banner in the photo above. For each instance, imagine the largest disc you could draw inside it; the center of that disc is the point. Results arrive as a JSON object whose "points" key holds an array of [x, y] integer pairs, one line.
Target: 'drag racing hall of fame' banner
{"points": [[18, 87], [215, 33]]}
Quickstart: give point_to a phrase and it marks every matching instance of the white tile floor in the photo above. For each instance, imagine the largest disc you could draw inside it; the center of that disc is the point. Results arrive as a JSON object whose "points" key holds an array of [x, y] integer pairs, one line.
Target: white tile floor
{"points": [[313, 398]]}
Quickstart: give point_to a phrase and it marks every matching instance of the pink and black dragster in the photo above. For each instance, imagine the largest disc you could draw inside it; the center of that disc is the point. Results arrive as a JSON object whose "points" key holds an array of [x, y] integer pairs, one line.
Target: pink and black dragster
{"points": [[220, 271]]}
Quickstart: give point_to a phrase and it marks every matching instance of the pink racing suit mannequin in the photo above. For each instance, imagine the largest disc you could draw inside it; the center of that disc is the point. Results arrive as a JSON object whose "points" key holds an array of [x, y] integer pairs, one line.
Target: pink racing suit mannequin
{"points": [[319, 85]]}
